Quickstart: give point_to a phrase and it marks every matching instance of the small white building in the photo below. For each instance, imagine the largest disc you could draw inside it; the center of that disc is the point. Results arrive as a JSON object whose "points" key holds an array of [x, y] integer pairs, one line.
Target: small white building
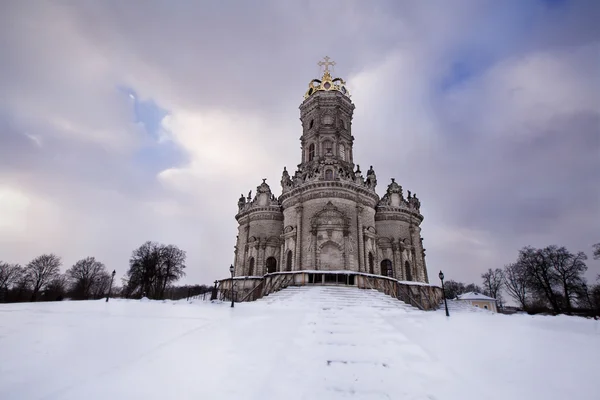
{"points": [[479, 300]]}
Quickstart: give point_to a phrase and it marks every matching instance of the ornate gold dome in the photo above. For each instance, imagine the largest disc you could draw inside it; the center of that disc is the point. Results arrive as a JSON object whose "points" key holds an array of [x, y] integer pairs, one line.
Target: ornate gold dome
{"points": [[327, 83]]}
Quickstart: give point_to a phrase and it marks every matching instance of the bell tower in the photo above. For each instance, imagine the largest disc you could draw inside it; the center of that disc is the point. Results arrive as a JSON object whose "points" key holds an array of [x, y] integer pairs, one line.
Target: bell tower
{"points": [[326, 116]]}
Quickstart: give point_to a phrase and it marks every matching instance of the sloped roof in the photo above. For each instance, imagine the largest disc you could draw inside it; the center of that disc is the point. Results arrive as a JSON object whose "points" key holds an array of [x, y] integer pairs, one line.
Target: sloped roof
{"points": [[474, 296]]}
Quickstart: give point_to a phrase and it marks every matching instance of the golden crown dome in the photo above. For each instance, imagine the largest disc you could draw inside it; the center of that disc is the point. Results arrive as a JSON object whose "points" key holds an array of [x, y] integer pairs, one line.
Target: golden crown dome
{"points": [[327, 83]]}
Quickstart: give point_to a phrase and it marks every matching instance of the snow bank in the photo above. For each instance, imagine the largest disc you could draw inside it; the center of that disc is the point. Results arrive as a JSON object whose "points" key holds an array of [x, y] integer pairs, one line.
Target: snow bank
{"points": [[299, 343]]}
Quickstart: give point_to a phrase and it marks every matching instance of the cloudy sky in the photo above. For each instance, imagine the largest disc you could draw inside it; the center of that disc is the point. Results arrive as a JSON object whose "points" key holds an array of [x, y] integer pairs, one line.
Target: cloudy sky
{"points": [[128, 121]]}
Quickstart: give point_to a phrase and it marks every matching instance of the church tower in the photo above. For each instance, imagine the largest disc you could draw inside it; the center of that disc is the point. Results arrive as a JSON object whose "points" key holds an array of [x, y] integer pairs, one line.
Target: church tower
{"points": [[329, 217], [326, 116]]}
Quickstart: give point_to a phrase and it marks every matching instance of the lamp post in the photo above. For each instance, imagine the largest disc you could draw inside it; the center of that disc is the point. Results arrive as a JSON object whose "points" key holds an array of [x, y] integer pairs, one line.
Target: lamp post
{"points": [[112, 276], [441, 275], [231, 270]]}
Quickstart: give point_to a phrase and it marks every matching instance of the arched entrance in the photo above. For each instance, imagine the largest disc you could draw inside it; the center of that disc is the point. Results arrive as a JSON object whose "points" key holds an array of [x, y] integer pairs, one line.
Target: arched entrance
{"points": [[407, 271], [386, 268], [271, 265]]}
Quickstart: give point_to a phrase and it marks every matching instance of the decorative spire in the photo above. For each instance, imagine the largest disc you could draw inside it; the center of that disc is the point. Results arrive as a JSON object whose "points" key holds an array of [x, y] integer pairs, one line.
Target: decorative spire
{"points": [[326, 83], [326, 64]]}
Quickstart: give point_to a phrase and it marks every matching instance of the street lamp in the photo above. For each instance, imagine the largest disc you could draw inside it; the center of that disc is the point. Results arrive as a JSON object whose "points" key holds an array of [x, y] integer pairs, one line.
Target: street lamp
{"points": [[441, 275], [231, 269], [111, 281]]}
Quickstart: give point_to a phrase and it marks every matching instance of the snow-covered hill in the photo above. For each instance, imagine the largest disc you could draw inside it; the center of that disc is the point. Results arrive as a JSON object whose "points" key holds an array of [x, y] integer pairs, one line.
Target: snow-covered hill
{"points": [[299, 343]]}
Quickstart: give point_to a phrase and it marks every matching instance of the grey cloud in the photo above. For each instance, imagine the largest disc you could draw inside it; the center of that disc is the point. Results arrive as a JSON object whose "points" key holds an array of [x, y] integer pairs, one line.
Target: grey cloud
{"points": [[67, 60]]}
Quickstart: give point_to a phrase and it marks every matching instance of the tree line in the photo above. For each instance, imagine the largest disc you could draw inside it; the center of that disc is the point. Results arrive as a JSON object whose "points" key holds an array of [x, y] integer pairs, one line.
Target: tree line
{"points": [[550, 279], [154, 269]]}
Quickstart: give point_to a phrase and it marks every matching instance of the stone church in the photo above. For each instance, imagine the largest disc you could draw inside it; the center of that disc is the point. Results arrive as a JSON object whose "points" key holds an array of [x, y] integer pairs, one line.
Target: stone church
{"points": [[329, 216]]}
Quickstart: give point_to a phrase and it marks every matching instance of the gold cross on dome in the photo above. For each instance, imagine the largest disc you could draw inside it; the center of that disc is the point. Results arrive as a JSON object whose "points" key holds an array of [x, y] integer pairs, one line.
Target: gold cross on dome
{"points": [[326, 63]]}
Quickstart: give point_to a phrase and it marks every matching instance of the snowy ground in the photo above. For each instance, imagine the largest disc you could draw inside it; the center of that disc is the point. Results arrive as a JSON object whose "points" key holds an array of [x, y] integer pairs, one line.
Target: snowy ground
{"points": [[300, 343]]}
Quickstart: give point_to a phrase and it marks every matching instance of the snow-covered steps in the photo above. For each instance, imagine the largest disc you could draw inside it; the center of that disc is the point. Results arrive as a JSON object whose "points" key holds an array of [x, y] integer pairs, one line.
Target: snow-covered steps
{"points": [[332, 296]]}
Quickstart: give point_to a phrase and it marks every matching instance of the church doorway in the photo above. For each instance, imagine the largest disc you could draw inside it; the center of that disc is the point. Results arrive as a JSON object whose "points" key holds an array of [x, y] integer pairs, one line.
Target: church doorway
{"points": [[271, 265], [386, 268]]}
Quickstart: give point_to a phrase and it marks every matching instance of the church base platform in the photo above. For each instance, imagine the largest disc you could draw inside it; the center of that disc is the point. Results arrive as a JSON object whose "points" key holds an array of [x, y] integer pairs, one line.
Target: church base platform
{"points": [[249, 288]]}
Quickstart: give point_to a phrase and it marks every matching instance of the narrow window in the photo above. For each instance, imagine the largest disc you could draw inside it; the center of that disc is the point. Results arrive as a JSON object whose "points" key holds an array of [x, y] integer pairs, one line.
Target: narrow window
{"points": [[288, 266], [342, 152], [271, 265], [386, 268], [407, 271], [251, 267], [371, 263], [310, 125], [311, 152], [327, 145]]}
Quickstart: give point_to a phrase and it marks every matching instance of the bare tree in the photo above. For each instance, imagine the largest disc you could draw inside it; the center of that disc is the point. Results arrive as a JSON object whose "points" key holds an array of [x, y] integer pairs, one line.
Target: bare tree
{"points": [[9, 274], [493, 282], [100, 286], [596, 252], [542, 278], [41, 271], [171, 267], [569, 269], [515, 282], [453, 289], [56, 288], [152, 268], [471, 287], [84, 275]]}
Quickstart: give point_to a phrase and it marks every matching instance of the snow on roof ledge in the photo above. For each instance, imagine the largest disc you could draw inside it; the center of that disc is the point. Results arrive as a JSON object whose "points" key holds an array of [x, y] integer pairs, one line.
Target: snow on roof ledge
{"points": [[474, 296]]}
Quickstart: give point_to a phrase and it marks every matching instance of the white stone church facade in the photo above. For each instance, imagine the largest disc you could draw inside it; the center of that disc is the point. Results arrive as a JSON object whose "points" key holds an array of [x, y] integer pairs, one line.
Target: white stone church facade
{"points": [[329, 216]]}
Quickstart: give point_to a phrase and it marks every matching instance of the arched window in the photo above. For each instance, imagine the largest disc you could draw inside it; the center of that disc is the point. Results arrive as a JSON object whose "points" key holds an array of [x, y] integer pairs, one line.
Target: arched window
{"points": [[288, 264], [328, 147], [251, 267], [342, 152], [371, 263], [407, 271], [328, 175], [311, 152], [386, 268], [271, 265]]}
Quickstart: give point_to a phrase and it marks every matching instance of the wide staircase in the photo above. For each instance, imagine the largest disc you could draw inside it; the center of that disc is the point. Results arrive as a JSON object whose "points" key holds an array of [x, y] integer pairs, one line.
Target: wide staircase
{"points": [[333, 297]]}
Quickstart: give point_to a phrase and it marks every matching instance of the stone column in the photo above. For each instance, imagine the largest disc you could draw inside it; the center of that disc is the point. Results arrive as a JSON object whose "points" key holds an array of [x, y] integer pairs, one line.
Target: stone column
{"points": [[402, 273], [365, 252], [298, 265], [395, 258], [261, 255], [235, 257], [246, 249], [314, 248], [281, 266], [347, 250], [359, 233]]}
